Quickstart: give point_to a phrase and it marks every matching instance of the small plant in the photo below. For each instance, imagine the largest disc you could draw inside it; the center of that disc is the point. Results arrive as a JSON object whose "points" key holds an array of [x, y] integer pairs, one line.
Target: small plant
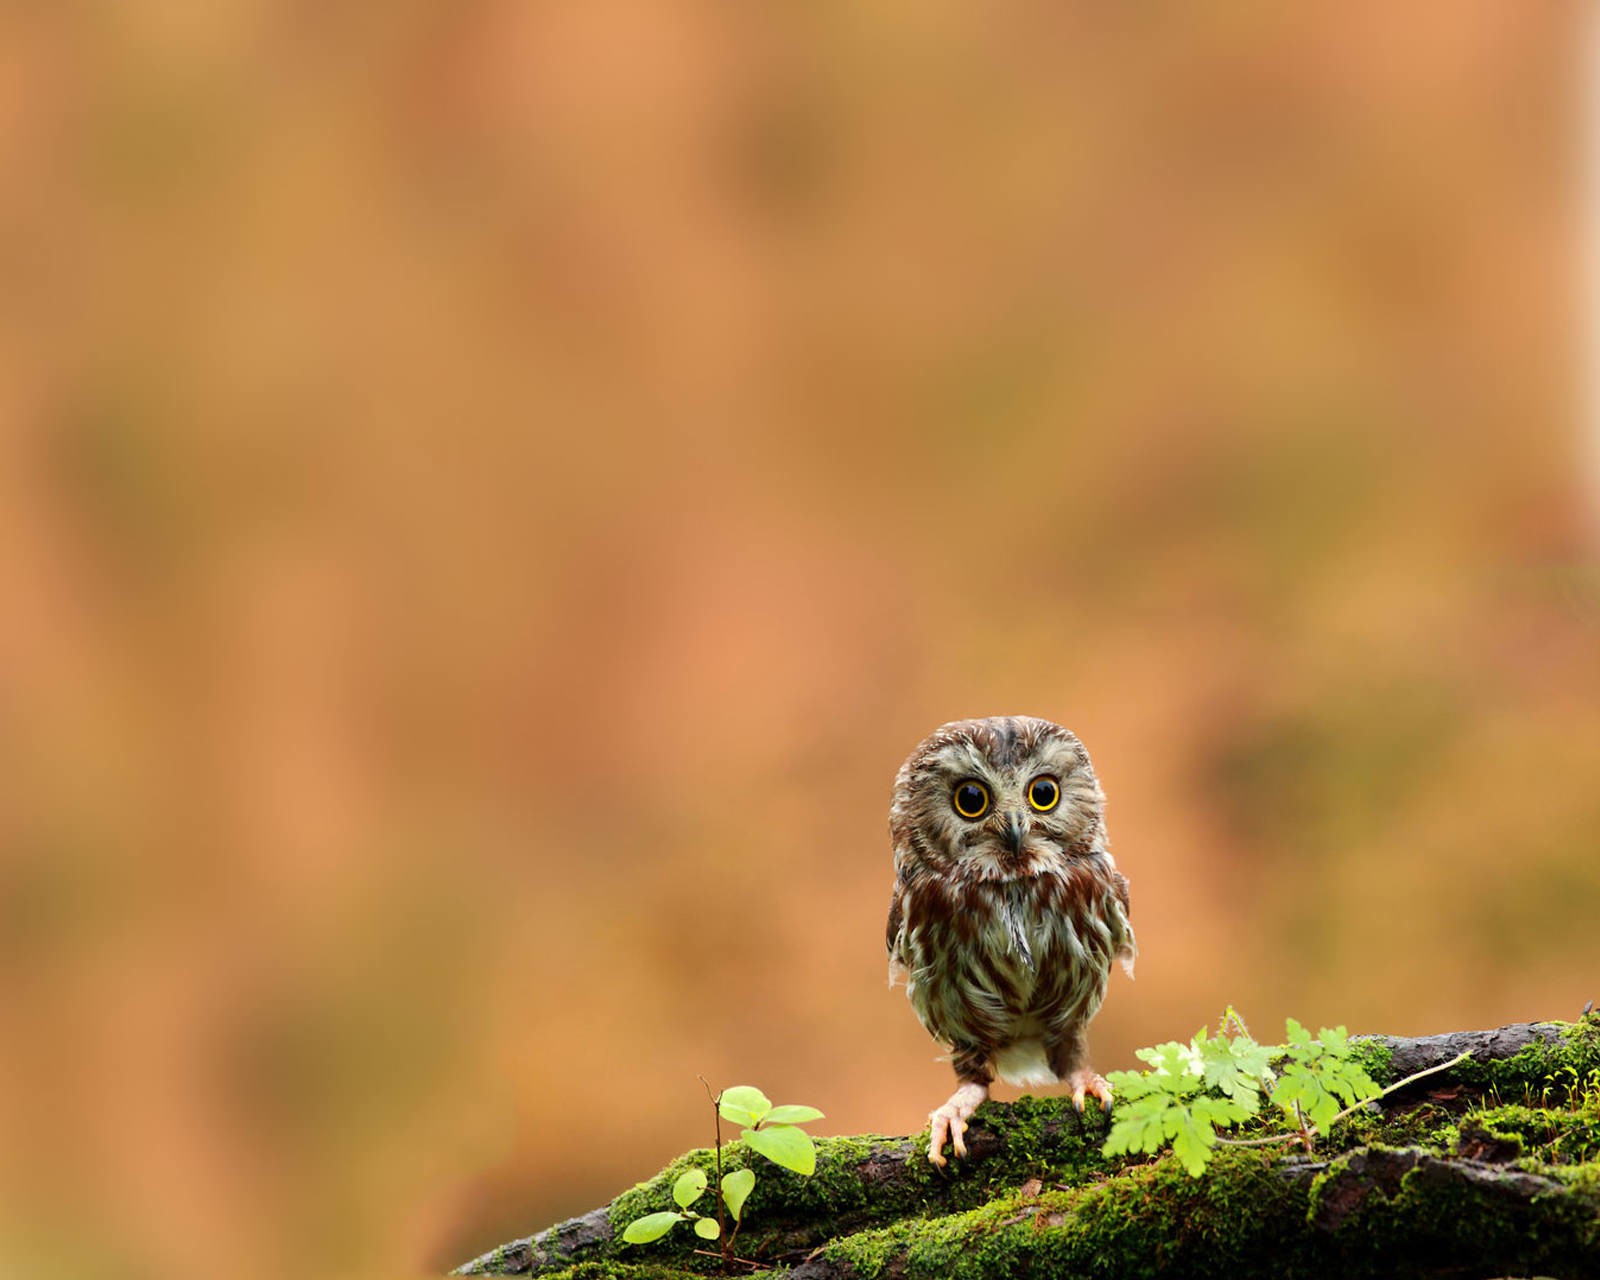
{"points": [[774, 1132], [1216, 1081]]}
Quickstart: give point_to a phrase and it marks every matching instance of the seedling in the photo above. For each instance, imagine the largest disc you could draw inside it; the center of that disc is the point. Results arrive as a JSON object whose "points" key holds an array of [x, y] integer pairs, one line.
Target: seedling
{"points": [[773, 1132]]}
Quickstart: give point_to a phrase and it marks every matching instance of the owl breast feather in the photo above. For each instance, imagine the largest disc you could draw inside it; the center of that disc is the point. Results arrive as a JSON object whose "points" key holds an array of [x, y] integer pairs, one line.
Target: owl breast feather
{"points": [[991, 963]]}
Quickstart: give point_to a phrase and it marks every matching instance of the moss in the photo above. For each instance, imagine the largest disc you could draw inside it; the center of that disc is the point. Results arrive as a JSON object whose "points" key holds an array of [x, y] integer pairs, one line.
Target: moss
{"points": [[1375, 1058], [1268, 1212], [1252, 1215], [1154, 1219], [1425, 1124], [787, 1213], [1437, 1218], [624, 1271], [1547, 1135], [1544, 1071]]}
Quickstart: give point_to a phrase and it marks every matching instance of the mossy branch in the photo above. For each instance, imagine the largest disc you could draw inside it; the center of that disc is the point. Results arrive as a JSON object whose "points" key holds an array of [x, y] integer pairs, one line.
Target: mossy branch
{"points": [[1035, 1196]]}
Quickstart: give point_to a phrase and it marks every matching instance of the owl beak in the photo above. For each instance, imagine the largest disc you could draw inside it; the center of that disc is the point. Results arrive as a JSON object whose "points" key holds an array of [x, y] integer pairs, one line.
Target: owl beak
{"points": [[1014, 834]]}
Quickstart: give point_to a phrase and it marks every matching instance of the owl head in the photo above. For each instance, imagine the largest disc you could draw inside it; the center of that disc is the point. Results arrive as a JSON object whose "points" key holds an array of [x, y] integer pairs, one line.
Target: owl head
{"points": [[996, 799]]}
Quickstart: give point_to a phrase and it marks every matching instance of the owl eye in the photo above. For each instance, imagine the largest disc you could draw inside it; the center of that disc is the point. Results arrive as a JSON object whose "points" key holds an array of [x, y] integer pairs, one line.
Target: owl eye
{"points": [[1044, 793], [971, 799]]}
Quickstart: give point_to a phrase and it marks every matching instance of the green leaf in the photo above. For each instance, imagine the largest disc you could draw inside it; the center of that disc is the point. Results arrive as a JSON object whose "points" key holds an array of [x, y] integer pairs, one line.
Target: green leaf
{"points": [[1216, 1080], [1138, 1126], [650, 1227], [1335, 1040], [785, 1145], [1291, 1086], [1234, 1067], [1322, 1109], [1303, 1084], [743, 1105], [1224, 1113], [688, 1188], [1171, 1058], [707, 1228], [736, 1189], [1354, 1085], [1192, 1140], [792, 1113], [1128, 1085]]}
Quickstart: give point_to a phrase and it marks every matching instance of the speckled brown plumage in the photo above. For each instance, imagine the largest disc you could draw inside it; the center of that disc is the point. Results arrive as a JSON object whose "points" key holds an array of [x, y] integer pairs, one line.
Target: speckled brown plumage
{"points": [[1004, 923]]}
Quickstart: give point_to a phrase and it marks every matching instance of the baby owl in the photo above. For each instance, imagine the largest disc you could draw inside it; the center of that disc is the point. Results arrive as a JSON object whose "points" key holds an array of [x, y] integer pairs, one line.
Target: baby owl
{"points": [[1007, 908]]}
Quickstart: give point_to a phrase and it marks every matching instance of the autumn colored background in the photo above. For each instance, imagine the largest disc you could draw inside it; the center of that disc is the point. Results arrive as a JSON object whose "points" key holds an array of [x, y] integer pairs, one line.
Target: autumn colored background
{"points": [[490, 492]]}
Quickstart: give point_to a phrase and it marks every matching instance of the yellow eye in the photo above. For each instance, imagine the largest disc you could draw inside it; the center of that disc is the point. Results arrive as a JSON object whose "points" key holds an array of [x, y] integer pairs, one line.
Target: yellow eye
{"points": [[1044, 793], [971, 799]]}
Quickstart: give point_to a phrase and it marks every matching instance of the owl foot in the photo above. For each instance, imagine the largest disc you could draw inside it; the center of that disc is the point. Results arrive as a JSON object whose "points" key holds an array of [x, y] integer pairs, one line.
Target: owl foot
{"points": [[1083, 1081], [949, 1122]]}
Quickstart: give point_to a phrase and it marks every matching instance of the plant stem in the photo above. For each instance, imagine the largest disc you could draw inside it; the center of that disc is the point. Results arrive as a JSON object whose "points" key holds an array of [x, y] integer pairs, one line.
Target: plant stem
{"points": [[743, 1262], [722, 1227], [1411, 1079]]}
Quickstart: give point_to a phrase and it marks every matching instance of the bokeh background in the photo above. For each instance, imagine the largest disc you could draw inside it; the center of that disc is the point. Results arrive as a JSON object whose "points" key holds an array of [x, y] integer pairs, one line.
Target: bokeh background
{"points": [[490, 492]]}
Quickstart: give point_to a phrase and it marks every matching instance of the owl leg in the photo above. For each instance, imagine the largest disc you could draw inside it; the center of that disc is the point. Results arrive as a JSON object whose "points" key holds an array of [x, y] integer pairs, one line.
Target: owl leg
{"points": [[949, 1122], [1069, 1059]]}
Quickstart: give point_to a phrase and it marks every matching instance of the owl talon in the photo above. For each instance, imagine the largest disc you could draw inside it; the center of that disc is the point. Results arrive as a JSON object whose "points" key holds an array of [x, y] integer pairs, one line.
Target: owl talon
{"points": [[949, 1123], [1084, 1081]]}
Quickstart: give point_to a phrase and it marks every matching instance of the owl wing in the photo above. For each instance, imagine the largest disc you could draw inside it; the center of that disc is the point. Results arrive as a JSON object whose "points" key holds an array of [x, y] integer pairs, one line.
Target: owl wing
{"points": [[1127, 947], [894, 936]]}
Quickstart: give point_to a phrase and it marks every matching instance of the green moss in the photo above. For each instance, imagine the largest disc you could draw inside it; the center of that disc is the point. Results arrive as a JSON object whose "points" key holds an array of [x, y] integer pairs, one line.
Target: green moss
{"points": [[1376, 1059], [1548, 1135], [1261, 1211], [1153, 1219], [1438, 1220], [1543, 1072], [1251, 1215], [624, 1271], [1030, 1138], [1423, 1125]]}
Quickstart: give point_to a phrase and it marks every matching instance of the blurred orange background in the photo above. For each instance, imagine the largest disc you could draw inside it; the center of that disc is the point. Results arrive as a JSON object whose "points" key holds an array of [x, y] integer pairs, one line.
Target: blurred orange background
{"points": [[490, 492]]}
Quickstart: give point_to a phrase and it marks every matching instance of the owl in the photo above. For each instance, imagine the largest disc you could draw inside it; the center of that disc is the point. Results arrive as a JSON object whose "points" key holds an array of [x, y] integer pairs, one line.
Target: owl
{"points": [[1007, 908]]}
